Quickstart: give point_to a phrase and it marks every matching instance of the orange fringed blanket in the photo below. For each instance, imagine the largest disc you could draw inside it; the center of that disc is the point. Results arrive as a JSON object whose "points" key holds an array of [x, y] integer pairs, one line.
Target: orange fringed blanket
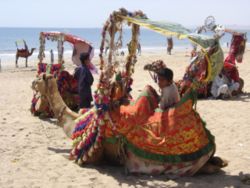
{"points": [[161, 135]]}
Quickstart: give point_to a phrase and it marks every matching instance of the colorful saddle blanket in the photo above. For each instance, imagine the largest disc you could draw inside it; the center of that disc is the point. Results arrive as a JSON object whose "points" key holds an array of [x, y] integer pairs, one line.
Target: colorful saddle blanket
{"points": [[154, 140], [177, 134]]}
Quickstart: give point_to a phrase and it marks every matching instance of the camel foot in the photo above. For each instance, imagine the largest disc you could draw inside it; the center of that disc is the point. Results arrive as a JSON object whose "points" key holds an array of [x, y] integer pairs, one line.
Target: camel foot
{"points": [[218, 161], [209, 168], [245, 178]]}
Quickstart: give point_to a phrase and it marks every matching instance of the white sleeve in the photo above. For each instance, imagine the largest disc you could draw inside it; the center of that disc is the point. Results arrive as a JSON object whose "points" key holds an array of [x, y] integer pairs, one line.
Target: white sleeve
{"points": [[164, 102]]}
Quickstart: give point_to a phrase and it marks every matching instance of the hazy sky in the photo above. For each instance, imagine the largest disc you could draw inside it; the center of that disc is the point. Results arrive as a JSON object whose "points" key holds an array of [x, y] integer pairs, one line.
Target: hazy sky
{"points": [[93, 13]]}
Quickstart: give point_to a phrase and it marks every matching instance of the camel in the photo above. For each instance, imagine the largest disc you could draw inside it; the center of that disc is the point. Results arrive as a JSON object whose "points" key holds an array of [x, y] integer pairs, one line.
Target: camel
{"points": [[47, 86], [25, 53], [140, 136]]}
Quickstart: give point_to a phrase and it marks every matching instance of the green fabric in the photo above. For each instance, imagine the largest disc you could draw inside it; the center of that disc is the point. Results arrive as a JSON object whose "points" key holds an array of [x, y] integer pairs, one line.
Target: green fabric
{"points": [[165, 28], [203, 40], [173, 29], [217, 60]]}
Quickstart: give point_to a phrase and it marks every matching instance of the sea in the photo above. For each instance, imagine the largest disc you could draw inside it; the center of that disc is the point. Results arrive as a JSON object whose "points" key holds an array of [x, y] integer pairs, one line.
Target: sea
{"points": [[149, 40]]}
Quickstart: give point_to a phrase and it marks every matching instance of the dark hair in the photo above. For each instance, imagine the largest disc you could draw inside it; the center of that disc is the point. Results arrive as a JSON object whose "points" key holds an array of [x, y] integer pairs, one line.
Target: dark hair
{"points": [[166, 73], [84, 56]]}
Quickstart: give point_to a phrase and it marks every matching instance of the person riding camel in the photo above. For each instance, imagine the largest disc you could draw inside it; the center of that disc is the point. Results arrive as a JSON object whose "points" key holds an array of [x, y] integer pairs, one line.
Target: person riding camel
{"points": [[169, 92]]}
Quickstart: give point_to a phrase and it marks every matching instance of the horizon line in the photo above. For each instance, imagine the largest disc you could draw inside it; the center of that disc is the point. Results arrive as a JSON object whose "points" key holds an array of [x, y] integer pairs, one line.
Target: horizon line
{"points": [[95, 27]]}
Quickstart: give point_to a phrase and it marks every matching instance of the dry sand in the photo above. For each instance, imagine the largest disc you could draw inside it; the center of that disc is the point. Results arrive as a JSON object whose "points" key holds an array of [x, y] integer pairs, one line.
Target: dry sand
{"points": [[34, 151]]}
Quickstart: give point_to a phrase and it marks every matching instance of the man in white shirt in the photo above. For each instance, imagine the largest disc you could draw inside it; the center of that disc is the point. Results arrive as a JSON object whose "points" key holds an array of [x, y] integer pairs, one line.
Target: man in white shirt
{"points": [[169, 92], [223, 87]]}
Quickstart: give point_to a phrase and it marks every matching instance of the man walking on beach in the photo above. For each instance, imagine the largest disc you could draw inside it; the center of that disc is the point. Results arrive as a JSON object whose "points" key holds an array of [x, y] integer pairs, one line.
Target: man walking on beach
{"points": [[51, 57], [169, 45]]}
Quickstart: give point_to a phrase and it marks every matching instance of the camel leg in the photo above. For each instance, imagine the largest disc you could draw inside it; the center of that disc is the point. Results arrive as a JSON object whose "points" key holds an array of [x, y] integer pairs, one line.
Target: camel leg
{"points": [[241, 81], [209, 168], [218, 161], [26, 62], [213, 165], [16, 61]]}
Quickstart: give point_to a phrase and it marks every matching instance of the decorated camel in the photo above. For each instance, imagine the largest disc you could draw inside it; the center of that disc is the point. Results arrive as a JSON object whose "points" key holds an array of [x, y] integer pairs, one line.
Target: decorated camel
{"points": [[67, 84], [48, 88], [116, 152], [24, 53], [236, 52], [137, 134], [229, 70]]}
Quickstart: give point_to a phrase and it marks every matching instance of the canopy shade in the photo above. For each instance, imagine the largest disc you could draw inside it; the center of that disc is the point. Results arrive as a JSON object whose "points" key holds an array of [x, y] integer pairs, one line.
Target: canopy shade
{"points": [[215, 60], [79, 46], [172, 29]]}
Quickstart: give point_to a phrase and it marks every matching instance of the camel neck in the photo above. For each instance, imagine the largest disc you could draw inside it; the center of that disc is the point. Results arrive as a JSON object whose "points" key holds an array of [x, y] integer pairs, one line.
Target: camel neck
{"points": [[56, 102], [64, 115]]}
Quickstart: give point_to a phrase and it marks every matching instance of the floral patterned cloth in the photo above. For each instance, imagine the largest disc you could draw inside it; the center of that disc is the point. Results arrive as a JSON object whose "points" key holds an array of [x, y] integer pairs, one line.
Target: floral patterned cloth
{"points": [[135, 164], [177, 134]]}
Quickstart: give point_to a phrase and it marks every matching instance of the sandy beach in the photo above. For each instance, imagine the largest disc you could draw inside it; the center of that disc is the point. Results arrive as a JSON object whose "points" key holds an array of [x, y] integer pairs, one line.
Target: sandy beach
{"points": [[34, 151]]}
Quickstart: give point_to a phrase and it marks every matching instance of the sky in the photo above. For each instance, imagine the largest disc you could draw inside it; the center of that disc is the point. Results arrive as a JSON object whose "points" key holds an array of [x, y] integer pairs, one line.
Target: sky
{"points": [[93, 13]]}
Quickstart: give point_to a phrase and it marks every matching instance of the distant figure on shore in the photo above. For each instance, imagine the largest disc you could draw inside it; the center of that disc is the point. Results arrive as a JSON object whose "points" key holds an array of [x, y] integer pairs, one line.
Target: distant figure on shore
{"points": [[138, 48], [169, 45], [51, 56], [106, 46], [129, 47], [194, 51], [122, 53]]}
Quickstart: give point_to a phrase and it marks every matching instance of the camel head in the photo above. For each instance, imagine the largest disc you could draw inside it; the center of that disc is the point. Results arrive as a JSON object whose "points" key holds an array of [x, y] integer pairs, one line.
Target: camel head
{"points": [[155, 66], [32, 50], [44, 83]]}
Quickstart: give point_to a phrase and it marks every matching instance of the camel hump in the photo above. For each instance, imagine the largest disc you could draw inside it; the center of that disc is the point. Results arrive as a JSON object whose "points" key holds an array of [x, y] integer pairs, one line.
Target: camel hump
{"points": [[22, 50]]}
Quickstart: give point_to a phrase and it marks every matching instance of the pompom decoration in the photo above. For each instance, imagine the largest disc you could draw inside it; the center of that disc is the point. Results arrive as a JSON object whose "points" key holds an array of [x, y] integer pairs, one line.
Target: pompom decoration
{"points": [[90, 127]]}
